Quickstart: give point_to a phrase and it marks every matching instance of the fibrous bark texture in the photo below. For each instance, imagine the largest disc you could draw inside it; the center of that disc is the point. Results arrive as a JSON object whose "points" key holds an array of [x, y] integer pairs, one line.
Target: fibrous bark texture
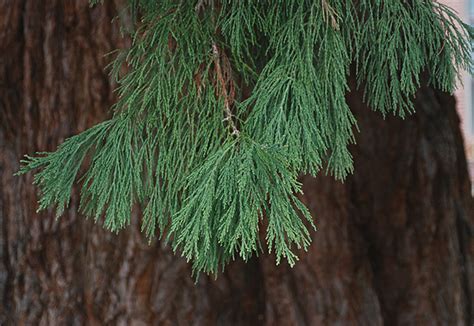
{"points": [[395, 243]]}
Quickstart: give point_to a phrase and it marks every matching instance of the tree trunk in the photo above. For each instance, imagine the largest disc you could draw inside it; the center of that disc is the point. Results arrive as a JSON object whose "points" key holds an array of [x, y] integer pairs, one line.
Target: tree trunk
{"points": [[395, 243]]}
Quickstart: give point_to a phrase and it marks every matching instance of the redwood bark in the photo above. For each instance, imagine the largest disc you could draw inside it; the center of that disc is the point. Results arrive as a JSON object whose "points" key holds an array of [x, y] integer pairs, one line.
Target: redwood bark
{"points": [[395, 243]]}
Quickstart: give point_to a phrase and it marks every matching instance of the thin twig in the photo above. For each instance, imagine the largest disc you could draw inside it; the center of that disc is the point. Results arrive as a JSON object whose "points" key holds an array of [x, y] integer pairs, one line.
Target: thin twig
{"points": [[221, 80], [329, 12], [199, 5]]}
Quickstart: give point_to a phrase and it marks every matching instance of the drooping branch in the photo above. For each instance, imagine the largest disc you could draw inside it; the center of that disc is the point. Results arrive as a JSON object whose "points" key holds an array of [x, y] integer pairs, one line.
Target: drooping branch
{"points": [[175, 94]]}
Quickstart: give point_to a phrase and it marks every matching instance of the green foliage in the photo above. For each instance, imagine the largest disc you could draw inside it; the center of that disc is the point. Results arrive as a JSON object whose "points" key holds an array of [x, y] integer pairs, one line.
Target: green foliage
{"points": [[225, 103], [228, 194], [406, 40], [306, 72]]}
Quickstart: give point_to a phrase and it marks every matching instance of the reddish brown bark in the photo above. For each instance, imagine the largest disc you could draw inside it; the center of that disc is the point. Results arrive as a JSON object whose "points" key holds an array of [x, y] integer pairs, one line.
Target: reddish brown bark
{"points": [[395, 242]]}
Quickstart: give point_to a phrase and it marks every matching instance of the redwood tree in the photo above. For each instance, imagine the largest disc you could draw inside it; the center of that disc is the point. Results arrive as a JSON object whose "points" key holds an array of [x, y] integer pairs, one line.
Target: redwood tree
{"points": [[395, 243]]}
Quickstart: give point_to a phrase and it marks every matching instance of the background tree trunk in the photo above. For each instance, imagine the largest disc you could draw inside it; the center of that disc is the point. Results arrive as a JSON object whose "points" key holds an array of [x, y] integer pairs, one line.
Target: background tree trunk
{"points": [[395, 243]]}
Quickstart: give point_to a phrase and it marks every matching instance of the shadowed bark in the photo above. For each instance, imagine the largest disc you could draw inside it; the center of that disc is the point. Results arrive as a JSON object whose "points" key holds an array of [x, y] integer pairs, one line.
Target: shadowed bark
{"points": [[395, 242]]}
